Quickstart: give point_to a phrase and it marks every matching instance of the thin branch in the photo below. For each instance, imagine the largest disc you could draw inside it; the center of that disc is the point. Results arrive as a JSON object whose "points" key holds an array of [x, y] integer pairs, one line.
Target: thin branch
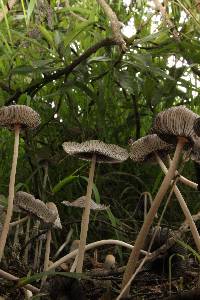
{"points": [[167, 19], [6, 8], [115, 24], [33, 88]]}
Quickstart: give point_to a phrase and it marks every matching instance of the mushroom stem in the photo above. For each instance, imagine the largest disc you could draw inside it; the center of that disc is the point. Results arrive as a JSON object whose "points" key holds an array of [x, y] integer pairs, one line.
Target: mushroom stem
{"points": [[89, 247], [9, 276], [37, 225], [26, 241], [8, 217], [184, 207], [22, 220], [85, 217], [134, 256], [47, 255]]}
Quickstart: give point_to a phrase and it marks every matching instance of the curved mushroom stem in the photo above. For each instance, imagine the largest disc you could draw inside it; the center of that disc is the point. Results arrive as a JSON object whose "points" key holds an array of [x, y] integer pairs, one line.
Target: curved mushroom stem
{"points": [[89, 247], [47, 255], [8, 217], [134, 256], [184, 207], [85, 218]]}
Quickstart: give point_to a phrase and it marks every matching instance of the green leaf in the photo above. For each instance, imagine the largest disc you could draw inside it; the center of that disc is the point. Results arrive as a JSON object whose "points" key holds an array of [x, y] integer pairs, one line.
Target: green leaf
{"points": [[31, 6], [48, 35], [95, 190], [27, 280], [67, 180]]}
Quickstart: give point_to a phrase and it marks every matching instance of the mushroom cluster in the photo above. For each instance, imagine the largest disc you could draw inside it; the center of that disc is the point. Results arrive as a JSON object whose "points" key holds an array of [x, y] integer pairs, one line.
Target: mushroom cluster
{"points": [[176, 129]]}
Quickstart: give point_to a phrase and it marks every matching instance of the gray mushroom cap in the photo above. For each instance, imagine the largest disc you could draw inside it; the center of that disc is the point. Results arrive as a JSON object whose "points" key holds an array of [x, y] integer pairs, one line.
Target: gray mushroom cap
{"points": [[144, 149], [80, 202], [175, 122], [197, 126], [36, 207], [21, 115], [53, 208], [105, 153]]}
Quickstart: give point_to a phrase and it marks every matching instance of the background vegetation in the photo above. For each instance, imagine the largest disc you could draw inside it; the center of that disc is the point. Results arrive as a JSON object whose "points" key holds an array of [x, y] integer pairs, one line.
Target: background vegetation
{"points": [[62, 59]]}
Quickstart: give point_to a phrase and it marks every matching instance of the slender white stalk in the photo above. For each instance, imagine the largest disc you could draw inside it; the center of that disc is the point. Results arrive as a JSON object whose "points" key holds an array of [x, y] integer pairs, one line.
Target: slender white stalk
{"points": [[85, 218], [36, 227], [184, 207], [89, 247], [47, 254], [18, 221], [11, 277], [8, 217], [26, 240], [139, 243], [69, 235]]}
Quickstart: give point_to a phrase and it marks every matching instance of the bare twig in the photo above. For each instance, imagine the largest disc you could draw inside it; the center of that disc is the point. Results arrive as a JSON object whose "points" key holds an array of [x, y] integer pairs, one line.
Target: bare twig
{"points": [[6, 8], [115, 24], [33, 88], [167, 19]]}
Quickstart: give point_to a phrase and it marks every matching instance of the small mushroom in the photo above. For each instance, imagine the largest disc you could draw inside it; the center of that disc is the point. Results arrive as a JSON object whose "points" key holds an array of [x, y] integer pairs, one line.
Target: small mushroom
{"points": [[15, 117], [174, 125], [36, 207], [96, 151], [81, 203]]}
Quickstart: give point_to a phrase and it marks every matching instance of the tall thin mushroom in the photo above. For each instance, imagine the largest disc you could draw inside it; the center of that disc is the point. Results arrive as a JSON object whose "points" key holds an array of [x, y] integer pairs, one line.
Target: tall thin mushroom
{"points": [[95, 151], [15, 117], [151, 147], [174, 125]]}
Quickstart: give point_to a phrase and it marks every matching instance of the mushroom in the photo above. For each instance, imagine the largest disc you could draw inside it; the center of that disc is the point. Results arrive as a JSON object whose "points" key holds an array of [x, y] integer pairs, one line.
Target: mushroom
{"points": [[15, 117], [197, 126], [57, 224], [174, 125], [81, 203], [35, 207], [96, 151], [150, 148]]}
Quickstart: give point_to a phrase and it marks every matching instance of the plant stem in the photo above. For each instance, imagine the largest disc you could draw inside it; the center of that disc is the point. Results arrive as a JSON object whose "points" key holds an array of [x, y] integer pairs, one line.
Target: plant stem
{"points": [[9, 276], [47, 255], [22, 220], [8, 217], [134, 256], [184, 207], [26, 240], [89, 247], [85, 218]]}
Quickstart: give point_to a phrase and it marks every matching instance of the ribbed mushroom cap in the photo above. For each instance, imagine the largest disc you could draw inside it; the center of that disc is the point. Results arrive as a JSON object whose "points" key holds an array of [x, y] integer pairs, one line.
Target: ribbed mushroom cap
{"points": [[105, 153], [197, 126], [175, 122], [80, 202], [54, 209], [35, 207], [144, 149], [21, 115]]}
